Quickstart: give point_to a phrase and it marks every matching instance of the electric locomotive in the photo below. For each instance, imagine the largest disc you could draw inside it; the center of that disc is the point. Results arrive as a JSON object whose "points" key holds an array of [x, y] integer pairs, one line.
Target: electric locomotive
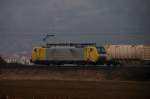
{"points": [[69, 53]]}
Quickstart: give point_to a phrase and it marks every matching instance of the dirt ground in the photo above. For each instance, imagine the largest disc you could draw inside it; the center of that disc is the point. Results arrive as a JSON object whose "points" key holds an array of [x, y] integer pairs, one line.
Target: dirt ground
{"points": [[51, 83], [74, 90]]}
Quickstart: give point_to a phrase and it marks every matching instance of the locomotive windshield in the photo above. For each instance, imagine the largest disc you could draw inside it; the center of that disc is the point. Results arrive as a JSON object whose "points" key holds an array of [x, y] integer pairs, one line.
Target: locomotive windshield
{"points": [[101, 50]]}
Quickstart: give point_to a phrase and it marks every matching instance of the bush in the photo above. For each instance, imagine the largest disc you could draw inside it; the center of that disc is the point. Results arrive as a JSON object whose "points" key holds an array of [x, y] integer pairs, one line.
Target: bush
{"points": [[2, 61]]}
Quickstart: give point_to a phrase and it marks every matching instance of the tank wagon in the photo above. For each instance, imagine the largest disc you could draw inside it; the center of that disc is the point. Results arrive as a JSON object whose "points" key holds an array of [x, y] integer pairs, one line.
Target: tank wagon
{"points": [[128, 54], [69, 54]]}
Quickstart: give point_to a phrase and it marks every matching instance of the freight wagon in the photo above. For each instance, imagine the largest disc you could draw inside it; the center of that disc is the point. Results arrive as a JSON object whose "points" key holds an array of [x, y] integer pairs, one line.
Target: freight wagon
{"points": [[128, 54]]}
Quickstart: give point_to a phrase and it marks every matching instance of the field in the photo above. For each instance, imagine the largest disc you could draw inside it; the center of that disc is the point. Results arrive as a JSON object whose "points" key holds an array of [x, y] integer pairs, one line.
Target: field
{"points": [[21, 82], [74, 90]]}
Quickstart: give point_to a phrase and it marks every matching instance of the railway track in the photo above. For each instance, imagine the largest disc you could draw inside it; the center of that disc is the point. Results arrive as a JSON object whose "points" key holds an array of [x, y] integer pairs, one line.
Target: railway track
{"points": [[54, 67], [68, 67]]}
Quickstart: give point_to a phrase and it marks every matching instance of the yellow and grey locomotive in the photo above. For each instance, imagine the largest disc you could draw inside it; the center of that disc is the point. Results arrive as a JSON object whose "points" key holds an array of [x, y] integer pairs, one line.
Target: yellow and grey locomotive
{"points": [[68, 54]]}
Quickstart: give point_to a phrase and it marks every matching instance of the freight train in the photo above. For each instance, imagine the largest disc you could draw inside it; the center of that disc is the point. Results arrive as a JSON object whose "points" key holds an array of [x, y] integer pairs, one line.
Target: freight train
{"points": [[90, 54]]}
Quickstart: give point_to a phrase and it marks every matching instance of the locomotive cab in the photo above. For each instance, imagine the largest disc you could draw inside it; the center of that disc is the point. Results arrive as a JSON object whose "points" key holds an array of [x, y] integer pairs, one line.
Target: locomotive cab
{"points": [[38, 54], [95, 54], [91, 54]]}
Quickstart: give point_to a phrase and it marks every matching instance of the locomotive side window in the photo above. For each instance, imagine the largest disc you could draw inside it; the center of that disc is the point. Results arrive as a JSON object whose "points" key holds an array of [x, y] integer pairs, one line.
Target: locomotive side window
{"points": [[35, 50]]}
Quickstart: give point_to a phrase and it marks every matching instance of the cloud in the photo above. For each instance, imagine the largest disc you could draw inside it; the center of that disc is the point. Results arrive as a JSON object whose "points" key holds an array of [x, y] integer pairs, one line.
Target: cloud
{"points": [[24, 22]]}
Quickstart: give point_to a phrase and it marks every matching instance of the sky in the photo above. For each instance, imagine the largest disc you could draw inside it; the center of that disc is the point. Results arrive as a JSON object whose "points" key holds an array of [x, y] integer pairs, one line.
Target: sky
{"points": [[24, 23]]}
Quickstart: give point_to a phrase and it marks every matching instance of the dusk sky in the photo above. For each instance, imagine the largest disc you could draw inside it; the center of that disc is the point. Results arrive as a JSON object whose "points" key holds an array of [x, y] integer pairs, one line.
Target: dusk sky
{"points": [[23, 23]]}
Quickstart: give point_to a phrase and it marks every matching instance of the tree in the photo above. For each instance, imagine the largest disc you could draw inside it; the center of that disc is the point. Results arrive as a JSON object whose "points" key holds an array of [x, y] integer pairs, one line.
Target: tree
{"points": [[2, 61]]}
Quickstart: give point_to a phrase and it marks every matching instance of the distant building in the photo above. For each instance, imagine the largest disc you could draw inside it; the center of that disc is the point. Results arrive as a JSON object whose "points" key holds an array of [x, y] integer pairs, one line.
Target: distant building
{"points": [[15, 58], [24, 60]]}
